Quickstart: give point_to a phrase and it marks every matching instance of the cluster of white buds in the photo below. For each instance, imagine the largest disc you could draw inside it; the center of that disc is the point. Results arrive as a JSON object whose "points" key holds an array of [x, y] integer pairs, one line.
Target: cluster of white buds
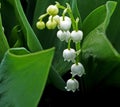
{"points": [[67, 34]]}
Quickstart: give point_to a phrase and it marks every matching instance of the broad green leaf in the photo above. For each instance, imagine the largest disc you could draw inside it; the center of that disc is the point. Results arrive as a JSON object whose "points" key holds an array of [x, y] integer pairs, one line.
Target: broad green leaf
{"points": [[86, 6], [97, 46], [101, 60], [90, 22], [3, 41], [113, 28], [20, 19], [96, 43], [23, 76]]}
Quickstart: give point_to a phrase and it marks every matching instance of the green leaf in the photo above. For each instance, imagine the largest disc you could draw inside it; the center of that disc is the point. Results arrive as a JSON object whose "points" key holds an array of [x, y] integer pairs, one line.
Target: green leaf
{"points": [[96, 48], [23, 77], [96, 43], [76, 13], [20, 19], [90, 22], [86, 6], [16, 37], [113, 28], [3, 41]]}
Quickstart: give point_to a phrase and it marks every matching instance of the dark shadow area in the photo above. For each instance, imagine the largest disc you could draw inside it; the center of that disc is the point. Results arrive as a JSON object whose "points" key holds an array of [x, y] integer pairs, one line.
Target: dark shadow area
{"points": [[53, 97], [98, 96]]}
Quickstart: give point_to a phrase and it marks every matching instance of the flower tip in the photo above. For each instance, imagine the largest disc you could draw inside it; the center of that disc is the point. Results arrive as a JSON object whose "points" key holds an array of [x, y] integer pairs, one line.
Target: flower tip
{"points": [[72, 85]]}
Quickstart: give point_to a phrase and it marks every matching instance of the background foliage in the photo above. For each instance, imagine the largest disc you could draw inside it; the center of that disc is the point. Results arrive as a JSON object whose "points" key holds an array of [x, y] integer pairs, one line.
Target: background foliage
{"points": [[26, 59]]}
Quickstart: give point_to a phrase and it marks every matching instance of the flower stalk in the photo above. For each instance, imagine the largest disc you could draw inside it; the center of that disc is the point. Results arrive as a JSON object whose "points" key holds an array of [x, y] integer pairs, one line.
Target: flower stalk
{"points": [[67, 34]]}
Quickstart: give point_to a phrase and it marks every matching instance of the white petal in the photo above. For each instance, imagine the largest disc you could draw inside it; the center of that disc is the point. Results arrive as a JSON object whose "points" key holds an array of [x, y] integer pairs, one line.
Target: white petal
{"points": [[72, 85], [69, 54], [61, 35], [77, 69], [76, 36], [65, 24]]}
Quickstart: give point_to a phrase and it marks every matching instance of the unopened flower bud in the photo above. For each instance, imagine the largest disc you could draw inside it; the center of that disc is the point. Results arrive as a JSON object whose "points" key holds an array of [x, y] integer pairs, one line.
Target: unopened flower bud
{"points": [[40, 25], [76, 36], [51, 24], [77, 69], [52, 10], [72, 85], [69, 55], [57, 19]]}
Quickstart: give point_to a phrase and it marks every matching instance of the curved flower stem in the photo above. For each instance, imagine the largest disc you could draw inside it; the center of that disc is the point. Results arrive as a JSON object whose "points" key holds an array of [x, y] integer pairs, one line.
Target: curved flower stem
{"points": [[69, 42], [75, 27], [77, 45], [42, 16], [76, 22], [59, 6], [71, 16]]}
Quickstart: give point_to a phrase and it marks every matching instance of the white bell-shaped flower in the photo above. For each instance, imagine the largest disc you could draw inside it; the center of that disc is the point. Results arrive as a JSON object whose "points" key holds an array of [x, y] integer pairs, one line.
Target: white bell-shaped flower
{"points": [[77, 69], [60, 35], [63, 35], [65, 23], [76, 36], [72, 85], [69, 55]]}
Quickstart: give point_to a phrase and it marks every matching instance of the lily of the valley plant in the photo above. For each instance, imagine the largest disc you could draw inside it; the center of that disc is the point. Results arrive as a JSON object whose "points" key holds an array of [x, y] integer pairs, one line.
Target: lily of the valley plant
{"points": [[68, 44]]}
